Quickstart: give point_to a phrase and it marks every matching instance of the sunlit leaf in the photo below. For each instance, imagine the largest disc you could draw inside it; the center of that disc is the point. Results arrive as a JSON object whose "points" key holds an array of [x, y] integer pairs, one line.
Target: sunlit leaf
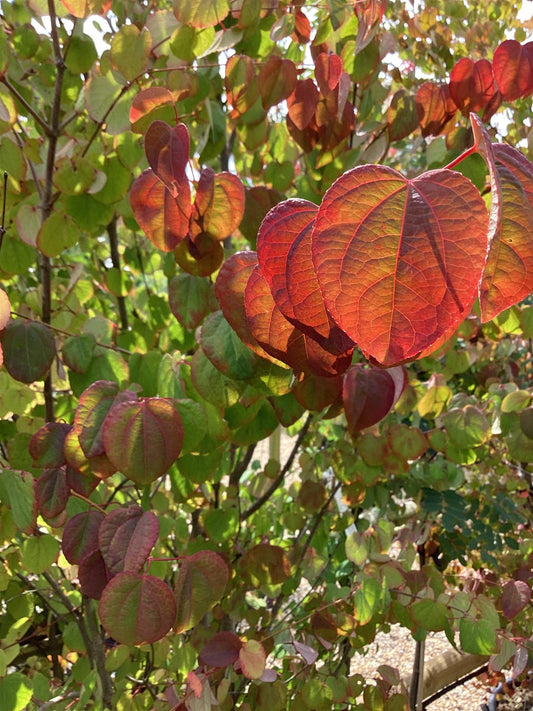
{"points": [[142, 439], [472, 84], [17, 490], [84, 8], [225, 349], [252, 658], [402, 116], [435, 108], [369, 15], [39, 552], [130, 50], [398, 260], [200, 584], [167, 151], [477, 636], [513, 69], [302, 103], [218, 206], [137, 609], [265, 564], [328, 70], [200, 13], [277, 79]]}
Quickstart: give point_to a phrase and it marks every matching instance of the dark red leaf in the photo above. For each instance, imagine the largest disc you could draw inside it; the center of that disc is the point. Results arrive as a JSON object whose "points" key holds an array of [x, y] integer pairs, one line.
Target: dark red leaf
{"points": [[93, 575], [126, 537], [167, 151], [137, 609], [200, 584], [29, 349], [302, 103], [52, 492], [369, 15], [369, 393], [46, 445], [398, 261], [472, 85], [80, 536], [315, 393], [513, 69], [163, 218], [218, 206], [83, 484], [515, 597], [221, 650]]}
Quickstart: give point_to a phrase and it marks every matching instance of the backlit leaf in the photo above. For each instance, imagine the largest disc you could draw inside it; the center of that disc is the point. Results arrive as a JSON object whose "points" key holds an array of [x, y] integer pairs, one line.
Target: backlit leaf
{"points": [[80, 535], [264, 564], [189, 299], [39, 552], [402, 116], [472, 84], [435, 108], [225, 349], [277, 79], [515, 597], [29, 350], [367, 600], [398, 260], [137, 609], [16, 692], [130, 50], [5, 309], [302, 103], [200, 584], [142, 439], [84, 8], [164, 219], [369, 15], [513, 69], [200, 13], [126, 536], [146, 101], [328, 70], [218, 206], [167, 151]]}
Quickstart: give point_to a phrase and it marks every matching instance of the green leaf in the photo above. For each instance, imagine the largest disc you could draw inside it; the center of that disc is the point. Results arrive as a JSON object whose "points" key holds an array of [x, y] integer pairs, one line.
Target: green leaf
{"points": [[17, 490], [253, 659], [81, 54], [200, 584], [189, 298], [430, 615], [130, 50], [58, 232], [225, 349], [477, 636], [201, 13], [29, 350], [78, 352], [39, 552], [367, 600], [467, 427], [15, 692]]}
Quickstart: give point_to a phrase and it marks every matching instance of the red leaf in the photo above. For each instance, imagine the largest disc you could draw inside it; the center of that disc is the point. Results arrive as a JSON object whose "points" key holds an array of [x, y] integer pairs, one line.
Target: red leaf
{"points": [[142, 439], [369, 394], [241, 84], [80, 535], [83, 484], [302, 103], [315, 393], [402, 116], [219, 205], [52, 492], [508, 276], [302, 27], [137, 609], [513, 69], [277, 79], [222, 650], [280, 338], [369, 15], [435, 109], [126, 537], [398, 260], [93, 575], [515, 597], [167, 151], [164, 219], [328, 70], [149, 99], [46, 445], [284, 254], [472, 84]]}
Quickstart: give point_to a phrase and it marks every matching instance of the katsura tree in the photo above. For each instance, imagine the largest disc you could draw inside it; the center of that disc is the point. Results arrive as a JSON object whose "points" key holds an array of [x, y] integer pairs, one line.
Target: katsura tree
{"points": [[223, 218]]}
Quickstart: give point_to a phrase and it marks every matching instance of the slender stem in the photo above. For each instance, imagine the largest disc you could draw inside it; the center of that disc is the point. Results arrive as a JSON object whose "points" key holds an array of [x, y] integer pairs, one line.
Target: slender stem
{"points": [[18, 96], [464, 154], [112, 233], [97, 653], [3, 225], [277, 481]]}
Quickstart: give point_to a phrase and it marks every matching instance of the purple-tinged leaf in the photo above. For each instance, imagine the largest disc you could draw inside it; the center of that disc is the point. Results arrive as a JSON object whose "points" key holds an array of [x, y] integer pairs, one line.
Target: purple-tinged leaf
{"points": [[368, 394], [80, 536], [167, 151], [29, 350], [126, 537], [143, 439], [93, 575], [189, 298], [515, 597], [47, 444], [52, 492], [137, 609], [309, 654], [221, 650]]}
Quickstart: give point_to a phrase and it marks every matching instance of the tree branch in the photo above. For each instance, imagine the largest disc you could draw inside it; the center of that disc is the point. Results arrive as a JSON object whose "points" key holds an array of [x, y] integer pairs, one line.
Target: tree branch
{"points": [[115, 259], [277, 481]]}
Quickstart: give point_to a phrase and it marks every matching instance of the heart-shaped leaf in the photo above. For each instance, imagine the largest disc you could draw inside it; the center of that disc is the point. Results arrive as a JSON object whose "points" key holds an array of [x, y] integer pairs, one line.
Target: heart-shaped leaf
{"points": [[163, 218], [46, 445], [515, 597], [328, 70], [52, 492], [218, 206], [189, 298], [29, 350], [126, 537], [221, 650], [252, 658], [93, 575], [142, 439], [277, 79], [167, 151], [369, 393], [225, 349], [17, 490], [137, 609], [398, 260], [80, 535], [472, 84], [435, 108], [513, 69], [93, 406], [200, 584]]}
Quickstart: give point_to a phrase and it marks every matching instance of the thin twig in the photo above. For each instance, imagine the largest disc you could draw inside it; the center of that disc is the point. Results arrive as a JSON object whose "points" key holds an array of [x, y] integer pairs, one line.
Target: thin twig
{"points": [[18, 96], [3, 227]]}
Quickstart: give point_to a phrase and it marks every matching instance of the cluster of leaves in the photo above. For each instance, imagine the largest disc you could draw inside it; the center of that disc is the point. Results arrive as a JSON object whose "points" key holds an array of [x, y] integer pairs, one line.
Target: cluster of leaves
{"points": [[200, 244]]}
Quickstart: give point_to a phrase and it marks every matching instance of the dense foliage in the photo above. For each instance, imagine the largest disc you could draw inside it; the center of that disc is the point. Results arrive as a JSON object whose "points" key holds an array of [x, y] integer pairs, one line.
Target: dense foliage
{"points": [[225, 216]]}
